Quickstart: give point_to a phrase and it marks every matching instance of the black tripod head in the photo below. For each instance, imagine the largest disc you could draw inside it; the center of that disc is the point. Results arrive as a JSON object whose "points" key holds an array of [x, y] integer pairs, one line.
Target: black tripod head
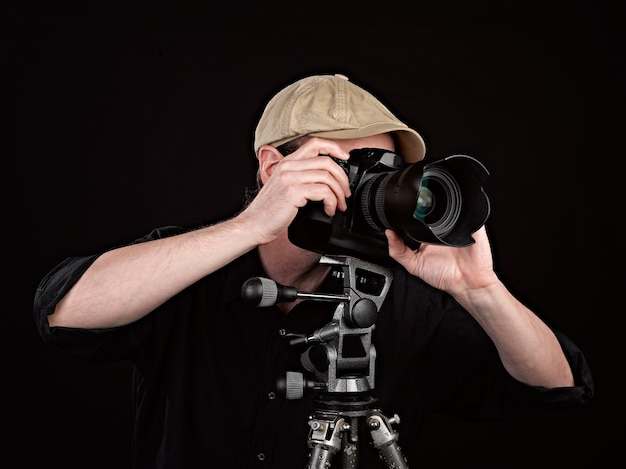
{"points": [[340, 355]]}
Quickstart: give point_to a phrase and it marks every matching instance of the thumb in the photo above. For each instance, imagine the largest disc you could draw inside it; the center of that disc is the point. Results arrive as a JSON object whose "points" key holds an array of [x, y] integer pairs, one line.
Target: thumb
{"points": [[397, 249], [401, 253]]}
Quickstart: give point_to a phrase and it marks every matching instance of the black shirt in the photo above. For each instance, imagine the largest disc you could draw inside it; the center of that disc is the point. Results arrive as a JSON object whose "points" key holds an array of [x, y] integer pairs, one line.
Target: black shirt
{"points": [[206, 368]]}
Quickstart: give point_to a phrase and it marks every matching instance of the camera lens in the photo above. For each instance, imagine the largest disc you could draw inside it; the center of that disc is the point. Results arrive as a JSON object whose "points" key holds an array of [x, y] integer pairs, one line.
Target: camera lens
{"points": [[425, 203], [438, 202]]}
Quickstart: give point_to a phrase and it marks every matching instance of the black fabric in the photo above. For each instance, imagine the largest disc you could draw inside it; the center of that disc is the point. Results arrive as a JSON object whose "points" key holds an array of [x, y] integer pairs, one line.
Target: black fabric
{"points": [[206, 367]]}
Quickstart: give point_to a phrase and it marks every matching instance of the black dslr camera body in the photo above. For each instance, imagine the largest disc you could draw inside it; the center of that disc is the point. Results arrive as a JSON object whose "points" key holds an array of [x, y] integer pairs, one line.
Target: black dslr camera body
{"points": [[440, 202]]}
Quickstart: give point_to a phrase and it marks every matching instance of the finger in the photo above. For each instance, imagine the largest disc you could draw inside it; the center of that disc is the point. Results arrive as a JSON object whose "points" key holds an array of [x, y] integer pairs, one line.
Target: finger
{"points": [[396, 245], [299, 186], [325, 162], [315, 193], [321, 146], [318, 170], [322, 193]]}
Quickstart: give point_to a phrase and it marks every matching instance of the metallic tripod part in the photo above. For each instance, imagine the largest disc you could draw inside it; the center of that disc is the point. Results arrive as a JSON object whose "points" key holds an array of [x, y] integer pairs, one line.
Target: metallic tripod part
{"points": [[352, 385], [323, 296], [325, 440], [307, 362], [295, 385], [320, 457], [324, 334], [338, 363], [366, 285], [352, 269], [341, 356], [385, 440], [270, 292]]}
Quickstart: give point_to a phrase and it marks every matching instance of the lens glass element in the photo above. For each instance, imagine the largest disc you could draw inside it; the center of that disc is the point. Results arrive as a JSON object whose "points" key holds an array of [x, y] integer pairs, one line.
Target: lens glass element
{"points": [[438, 202], [425, 202]]}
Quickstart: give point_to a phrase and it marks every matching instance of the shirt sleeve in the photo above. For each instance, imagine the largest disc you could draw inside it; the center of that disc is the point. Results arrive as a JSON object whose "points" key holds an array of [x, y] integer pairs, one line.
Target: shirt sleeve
{"points": [[471, 382], [84, 343], [455, 367], [540, 398]]}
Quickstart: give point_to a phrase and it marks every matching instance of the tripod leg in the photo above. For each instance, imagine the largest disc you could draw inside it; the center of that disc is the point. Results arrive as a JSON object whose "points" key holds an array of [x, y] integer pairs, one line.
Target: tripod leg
{"points": [[385, 440], [325, 440]]}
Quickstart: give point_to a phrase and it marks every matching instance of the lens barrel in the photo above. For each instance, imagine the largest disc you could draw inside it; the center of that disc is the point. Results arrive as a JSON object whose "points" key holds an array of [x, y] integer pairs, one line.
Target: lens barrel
{"points": [[439, 202]]}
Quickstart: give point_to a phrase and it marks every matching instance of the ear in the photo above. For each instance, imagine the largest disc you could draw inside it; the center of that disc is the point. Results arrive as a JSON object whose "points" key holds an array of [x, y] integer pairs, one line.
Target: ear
{"points": [[268, 156]]}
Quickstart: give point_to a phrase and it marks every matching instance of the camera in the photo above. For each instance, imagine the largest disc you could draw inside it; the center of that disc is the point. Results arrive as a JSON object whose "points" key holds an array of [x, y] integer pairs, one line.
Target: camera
{"points": [[438, 202]]}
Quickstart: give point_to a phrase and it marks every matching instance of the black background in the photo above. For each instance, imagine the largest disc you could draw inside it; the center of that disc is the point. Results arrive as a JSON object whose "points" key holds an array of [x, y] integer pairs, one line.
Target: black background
{"points": [[120, 117]]}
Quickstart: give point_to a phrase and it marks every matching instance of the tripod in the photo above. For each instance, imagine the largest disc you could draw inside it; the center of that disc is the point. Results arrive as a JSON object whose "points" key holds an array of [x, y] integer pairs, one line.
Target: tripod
{"points": [[341, 357], [334, 431]]}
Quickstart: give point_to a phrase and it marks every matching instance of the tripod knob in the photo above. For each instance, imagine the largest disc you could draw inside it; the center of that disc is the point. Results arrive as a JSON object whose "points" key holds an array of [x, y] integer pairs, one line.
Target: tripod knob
{"points": [[293, 385], [262, 292], [363, 314]]}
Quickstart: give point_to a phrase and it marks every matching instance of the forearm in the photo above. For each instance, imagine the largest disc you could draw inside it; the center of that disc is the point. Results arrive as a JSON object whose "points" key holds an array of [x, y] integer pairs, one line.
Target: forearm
{"points": [[529, 350], [124, 284]]}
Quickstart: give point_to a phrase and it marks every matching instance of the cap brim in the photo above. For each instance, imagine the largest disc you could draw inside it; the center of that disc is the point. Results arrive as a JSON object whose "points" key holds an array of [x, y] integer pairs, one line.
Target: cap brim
{"points": [[410, 143]]}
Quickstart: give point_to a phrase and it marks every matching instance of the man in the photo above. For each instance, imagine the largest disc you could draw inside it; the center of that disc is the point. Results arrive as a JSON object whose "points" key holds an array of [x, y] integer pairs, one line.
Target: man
{"points": [[449, 337]]}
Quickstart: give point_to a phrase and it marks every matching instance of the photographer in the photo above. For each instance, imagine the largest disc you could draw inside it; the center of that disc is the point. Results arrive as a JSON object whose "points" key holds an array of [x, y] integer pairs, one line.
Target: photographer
{"points": [[450, 337]]}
